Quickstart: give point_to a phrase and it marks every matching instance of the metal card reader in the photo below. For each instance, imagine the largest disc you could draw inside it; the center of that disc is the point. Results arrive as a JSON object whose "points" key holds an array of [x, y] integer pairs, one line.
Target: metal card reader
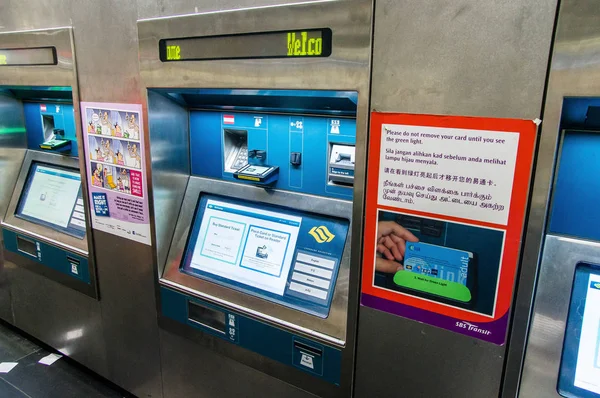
{"points": [[341, 164]]}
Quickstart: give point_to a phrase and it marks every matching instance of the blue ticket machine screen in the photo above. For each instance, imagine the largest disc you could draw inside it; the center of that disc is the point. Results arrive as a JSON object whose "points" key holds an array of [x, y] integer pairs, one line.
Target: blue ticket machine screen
{"points": [[580, 366], [52, 197], [278, 254]]}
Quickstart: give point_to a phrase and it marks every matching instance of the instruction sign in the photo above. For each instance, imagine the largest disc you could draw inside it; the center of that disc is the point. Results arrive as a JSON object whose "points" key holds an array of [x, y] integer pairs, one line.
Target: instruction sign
{"points": [[114, 147], [445, 207]]}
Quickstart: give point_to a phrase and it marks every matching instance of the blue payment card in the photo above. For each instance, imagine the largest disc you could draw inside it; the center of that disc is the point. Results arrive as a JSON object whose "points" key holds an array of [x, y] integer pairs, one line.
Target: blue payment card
{"points": [[437, 261]]}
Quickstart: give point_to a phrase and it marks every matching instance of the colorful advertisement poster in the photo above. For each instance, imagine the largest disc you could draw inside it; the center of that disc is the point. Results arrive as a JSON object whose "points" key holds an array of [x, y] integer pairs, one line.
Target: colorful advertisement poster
{"points": [[114, 146], [445, 208]]}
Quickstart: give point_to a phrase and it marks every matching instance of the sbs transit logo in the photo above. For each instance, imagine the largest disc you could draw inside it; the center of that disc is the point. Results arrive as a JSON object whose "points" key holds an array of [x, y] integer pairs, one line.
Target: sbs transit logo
{"points": [[321, 234]]}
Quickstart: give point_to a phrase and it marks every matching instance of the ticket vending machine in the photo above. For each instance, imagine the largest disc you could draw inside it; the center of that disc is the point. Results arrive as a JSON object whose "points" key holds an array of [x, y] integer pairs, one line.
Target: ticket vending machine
{"points": [[50, 274], [257, 122]]}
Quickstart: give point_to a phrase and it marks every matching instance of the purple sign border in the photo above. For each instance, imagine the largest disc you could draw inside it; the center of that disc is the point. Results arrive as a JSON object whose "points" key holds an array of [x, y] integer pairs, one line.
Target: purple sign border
{"points": [[492, 332]]}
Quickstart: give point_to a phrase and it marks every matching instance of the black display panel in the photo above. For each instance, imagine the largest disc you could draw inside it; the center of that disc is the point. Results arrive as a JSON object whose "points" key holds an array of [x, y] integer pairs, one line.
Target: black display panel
{"points": [[579, 375], [52, 197], [308, 43], [28, 56]]}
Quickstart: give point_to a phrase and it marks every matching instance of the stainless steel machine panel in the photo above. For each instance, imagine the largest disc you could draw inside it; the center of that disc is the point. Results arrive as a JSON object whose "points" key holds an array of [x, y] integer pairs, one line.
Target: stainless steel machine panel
{"points": [[469, 58], [12, 149]]}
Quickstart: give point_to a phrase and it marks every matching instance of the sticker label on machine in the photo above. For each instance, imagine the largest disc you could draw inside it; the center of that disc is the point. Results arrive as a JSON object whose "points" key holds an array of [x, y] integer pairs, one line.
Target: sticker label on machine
{"points": [[445, 205], [283, 256], [114, 147]]}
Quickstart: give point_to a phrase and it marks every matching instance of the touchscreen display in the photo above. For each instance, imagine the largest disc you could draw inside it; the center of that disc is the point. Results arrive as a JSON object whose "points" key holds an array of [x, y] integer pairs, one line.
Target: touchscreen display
{"points": [[283, 255], [247, 245], [52, 197], [580, 365]]}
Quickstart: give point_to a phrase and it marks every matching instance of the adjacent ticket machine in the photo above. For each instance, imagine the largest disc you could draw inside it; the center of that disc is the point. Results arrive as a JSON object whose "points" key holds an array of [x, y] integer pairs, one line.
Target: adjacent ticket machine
{"points": [[257, 122], [50, 273], [562, 350]]}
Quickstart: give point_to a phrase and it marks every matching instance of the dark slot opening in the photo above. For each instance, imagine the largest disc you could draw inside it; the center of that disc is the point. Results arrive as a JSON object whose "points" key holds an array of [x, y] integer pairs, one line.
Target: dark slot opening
{"points": [[206, 316], [305, 347], [26, 246]]}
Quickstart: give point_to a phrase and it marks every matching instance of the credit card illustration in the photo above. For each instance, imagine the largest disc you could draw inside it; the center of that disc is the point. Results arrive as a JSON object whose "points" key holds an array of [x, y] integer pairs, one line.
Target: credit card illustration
{"points": [[437, 261]]}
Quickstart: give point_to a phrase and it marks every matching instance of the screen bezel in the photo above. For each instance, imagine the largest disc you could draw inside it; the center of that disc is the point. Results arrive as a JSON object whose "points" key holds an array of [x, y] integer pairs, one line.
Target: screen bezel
{"points": [[310, 308], [50, 63], [568, 363], [71, 231]]}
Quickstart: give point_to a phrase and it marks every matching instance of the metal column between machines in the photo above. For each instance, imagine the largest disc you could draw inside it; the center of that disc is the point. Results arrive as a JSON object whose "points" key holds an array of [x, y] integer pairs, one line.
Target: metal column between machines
{"points": [[239, 76]]}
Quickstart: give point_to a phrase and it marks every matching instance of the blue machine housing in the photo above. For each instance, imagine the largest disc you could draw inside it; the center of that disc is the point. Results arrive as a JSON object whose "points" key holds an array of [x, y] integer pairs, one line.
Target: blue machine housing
{"points": [[574, 210], [293, 131], [274, 343], [64, 119], [59, 260]]}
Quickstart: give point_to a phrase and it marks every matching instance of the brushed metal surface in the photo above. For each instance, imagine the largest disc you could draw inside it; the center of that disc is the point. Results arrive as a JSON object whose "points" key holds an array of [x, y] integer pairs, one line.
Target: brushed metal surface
{"points": [[468, 57], [474, 58], [332, 329], [61, 74], [547, 330], [63, 318], [403, 358], [574, 71], [185, 362], [348, 68], [12, 151], [161, 8], [170, 153]]}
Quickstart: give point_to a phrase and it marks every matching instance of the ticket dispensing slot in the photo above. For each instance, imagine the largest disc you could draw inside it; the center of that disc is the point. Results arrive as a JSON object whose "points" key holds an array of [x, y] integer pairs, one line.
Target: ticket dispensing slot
{"points": [[26, 246], [206, 317], [53, 127], [235, 149], [341, 164]]}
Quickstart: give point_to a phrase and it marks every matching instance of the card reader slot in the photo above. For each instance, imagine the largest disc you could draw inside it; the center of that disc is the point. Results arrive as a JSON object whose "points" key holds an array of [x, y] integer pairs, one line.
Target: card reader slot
{"points": [[26, 246], [73, 261], [309, 349], [206, 317], [409, 222]]}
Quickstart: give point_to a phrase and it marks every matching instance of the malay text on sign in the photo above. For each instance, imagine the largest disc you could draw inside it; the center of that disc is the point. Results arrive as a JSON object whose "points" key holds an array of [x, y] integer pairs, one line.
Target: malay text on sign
{"points": [[455, 172]]}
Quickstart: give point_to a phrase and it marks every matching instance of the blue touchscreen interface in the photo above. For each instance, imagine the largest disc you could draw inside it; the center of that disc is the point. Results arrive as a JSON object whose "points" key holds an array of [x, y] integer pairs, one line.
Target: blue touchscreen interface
{"points": [[580, 365], [279, 254], [52, 197]]}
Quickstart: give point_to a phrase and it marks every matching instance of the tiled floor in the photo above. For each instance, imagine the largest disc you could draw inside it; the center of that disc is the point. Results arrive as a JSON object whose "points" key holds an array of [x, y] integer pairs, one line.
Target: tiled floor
{"points": [[62, 379]]}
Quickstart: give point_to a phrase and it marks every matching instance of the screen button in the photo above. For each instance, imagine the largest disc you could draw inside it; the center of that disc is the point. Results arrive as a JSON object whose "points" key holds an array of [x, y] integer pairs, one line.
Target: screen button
{"points": [[77, 222], [307, 269], [309, 291], [309, 280], [314, 260], [78, 215]]}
